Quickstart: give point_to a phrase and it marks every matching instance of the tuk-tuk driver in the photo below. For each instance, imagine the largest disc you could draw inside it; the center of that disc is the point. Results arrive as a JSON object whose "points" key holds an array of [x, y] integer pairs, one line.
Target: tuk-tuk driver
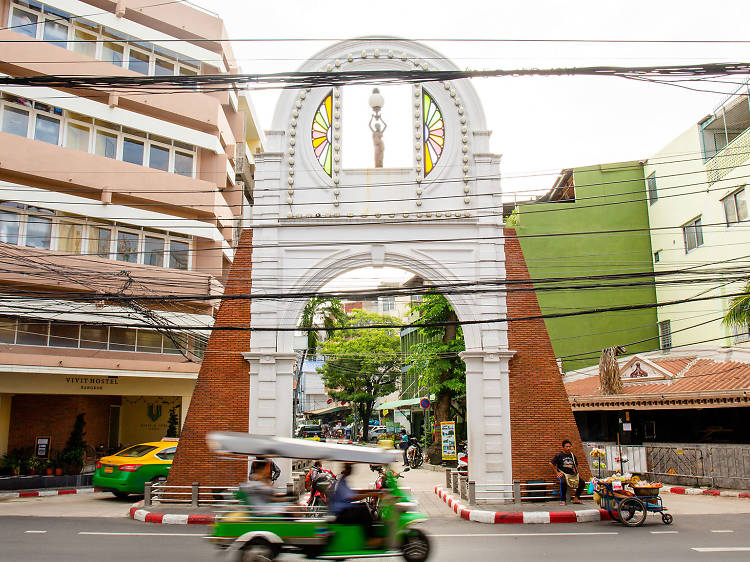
{"points": [[343, 506]]}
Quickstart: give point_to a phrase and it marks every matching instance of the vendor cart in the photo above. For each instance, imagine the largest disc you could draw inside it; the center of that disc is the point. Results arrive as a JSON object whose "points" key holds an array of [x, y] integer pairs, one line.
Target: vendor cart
{"points": [[631, 508]]}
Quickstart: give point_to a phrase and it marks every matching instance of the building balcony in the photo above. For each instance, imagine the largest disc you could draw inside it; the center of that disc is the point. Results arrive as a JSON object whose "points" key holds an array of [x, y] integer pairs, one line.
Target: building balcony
{"points": [[56, 168], [734, 154]]}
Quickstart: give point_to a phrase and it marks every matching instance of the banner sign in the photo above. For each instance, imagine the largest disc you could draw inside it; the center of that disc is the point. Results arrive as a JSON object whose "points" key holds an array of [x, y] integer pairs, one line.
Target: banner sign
{"points": [[448, 438]]}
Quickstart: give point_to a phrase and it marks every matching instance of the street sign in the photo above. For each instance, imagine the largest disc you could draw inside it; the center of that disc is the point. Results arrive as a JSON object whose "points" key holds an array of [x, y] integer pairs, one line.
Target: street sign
{"points": [[424, 403], [448, 438]]}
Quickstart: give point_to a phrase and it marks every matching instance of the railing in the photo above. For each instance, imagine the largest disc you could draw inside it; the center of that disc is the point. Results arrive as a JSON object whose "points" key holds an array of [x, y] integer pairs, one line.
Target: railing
{"points": [[515, 492], [728, 158]]}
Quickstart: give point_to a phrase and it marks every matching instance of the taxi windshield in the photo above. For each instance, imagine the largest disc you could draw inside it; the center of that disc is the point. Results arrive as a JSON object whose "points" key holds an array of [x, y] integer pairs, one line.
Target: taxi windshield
{"points": [[136, 451]]}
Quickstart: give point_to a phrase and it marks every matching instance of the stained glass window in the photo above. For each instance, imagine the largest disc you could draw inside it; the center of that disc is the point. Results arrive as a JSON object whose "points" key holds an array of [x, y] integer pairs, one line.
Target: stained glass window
{"points": [[321, 133], [433, 132]]}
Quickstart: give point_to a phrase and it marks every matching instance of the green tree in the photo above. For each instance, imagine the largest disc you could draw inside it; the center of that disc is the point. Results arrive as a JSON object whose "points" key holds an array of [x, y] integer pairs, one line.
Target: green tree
{"points": [[322, 313], [362, 364], [436, 362], [738, 315]]}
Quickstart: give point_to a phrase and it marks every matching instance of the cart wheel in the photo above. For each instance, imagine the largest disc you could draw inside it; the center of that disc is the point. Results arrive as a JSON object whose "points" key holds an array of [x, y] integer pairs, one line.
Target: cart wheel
{"points": [[632, 512], [416, 547], [259, 550], [667, 518]]}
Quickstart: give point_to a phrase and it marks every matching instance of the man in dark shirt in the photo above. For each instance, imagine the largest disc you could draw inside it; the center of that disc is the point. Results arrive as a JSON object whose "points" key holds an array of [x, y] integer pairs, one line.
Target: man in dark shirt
{"points": [[565, 466]]}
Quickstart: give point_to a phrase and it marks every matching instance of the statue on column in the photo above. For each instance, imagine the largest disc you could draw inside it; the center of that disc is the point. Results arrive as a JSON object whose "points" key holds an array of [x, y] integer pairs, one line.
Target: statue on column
{"points": [[377, 126]]}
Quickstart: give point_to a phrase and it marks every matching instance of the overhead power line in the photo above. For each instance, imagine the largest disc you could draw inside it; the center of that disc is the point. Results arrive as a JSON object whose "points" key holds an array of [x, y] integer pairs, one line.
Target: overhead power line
{"points": [[320, 79]]}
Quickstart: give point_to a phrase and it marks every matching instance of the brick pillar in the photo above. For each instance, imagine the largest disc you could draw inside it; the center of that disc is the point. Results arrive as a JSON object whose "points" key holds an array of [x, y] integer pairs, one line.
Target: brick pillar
{"points": [[540, 412], [220, 398]]}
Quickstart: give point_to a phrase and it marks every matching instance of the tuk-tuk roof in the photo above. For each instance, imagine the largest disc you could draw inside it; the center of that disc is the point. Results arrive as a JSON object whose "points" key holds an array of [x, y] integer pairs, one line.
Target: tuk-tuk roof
{"points": [[263, 446]]}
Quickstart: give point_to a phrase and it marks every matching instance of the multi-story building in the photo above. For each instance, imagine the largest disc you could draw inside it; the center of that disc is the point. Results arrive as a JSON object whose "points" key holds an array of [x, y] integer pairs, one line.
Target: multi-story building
{"points": [[113, 191], [698, 212], [592, 200]]}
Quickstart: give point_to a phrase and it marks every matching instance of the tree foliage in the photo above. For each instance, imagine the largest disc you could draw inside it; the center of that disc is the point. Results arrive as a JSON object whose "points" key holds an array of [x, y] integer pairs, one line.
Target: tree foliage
{"points": [[323, 313], [435, 360], [738, 315], [362, 365]]}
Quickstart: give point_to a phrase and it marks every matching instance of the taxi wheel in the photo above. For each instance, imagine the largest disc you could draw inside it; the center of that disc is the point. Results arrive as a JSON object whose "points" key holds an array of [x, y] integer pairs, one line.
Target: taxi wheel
{"points": [[259, 550], [415, 547], [120, 495]]}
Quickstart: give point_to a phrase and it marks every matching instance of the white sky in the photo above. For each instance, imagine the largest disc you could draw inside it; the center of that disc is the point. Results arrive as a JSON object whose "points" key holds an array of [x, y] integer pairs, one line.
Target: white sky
{"points": [[540, 125]]}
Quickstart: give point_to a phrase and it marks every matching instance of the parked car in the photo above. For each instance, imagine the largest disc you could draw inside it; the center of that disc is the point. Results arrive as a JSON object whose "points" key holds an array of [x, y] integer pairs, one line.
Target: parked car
{"points": [[376, 433], [127, 471], [309, 431]]}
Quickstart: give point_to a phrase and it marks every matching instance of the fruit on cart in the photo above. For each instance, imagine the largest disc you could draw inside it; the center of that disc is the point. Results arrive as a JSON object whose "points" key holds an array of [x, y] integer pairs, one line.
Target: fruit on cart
{"points": [[598, 453]]}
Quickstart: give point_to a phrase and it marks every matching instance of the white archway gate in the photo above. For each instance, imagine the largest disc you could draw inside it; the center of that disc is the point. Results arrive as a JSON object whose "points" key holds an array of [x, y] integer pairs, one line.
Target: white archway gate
{"points": [[441, 219]]}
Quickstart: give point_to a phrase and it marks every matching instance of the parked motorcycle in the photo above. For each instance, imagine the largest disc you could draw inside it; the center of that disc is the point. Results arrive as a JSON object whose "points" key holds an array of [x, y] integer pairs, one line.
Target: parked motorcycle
{"points": [[463, 459], [414, 454], [321, 482]]}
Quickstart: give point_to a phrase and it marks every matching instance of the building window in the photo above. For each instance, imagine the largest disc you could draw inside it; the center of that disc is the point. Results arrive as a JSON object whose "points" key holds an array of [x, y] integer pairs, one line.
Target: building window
{"points": [[665, 335], [44, 229], [693, 234], [653, 195], [127, 246], [153, 251], [15, 121], [389, 304], [9, 227], [47, 123], [735, 207]]}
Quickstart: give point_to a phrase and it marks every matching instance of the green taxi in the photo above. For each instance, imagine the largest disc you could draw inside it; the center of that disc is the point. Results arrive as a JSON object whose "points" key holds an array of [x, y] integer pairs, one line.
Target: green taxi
{"points": [[127, 471]]}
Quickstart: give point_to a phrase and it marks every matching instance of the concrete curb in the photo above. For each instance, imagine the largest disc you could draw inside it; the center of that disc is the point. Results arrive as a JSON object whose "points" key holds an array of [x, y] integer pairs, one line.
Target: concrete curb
{"points": [[521, 517], [705, 492], [137, 513], [42, 493]]}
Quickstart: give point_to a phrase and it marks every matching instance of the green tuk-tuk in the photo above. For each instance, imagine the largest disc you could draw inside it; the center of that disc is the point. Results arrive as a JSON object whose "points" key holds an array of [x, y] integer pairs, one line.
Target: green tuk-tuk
{"points": [[260, 536]]}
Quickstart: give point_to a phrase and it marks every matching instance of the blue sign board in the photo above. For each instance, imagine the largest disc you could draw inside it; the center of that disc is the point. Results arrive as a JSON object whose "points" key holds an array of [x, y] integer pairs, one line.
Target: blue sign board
{"points": [[424, 403]]}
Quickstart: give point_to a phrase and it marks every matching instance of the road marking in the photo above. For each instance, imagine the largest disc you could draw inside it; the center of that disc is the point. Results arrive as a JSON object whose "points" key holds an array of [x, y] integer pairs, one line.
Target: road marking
{"points": [[571, 534], [722, 531], [663, 532], [141, 534], [35, 532], [721, 548]]}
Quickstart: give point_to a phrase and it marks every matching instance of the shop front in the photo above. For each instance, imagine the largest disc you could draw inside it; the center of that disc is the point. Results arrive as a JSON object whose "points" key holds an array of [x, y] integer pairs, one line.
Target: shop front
{"points": [[119, 410]]}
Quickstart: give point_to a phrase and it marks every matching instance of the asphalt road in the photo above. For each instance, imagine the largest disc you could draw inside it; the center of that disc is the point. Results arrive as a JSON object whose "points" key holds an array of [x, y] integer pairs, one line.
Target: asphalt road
{"points": [[691, 537]]}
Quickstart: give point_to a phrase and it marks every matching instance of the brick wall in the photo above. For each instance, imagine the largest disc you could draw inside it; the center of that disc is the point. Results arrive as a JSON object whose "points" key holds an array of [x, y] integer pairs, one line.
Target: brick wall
{"points": [[220, 397], [34, 415], [540, 414]]}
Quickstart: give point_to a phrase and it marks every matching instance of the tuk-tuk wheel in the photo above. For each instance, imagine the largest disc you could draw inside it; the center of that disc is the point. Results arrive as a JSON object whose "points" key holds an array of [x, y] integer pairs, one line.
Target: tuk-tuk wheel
{"points": [[667, 518], [416, 546], [259, 550]]}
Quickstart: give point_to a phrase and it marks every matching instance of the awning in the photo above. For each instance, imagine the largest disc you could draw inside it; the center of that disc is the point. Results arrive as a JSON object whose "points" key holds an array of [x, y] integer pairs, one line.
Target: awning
{"points": [[399, 404], [329, 410]]}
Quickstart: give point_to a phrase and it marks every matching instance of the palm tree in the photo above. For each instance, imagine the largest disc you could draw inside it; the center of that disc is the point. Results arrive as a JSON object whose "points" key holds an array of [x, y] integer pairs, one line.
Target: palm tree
{"points": [[738, 314], [329, 310]]}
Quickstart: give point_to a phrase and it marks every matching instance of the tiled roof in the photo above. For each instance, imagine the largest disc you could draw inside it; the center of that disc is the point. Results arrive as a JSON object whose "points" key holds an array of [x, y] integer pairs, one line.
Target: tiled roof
{"points": [[701, 376]]}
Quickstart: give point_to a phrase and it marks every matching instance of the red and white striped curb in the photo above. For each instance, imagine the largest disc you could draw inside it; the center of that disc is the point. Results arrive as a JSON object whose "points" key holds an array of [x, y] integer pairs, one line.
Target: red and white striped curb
{"points": [[525, 517], [139, 514], [42, 493], [705, 492]]}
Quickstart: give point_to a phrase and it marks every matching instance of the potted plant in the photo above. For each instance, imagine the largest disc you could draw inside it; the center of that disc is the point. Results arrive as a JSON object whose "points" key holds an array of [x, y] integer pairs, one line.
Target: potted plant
{"points": [[13, 461], [36, 465], [58, 464], [74, 453], [48, 468]]}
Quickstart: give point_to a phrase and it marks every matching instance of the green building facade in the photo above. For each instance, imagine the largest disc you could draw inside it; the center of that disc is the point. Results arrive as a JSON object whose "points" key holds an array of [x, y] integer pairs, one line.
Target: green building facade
{"points": [[607, 197]]}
